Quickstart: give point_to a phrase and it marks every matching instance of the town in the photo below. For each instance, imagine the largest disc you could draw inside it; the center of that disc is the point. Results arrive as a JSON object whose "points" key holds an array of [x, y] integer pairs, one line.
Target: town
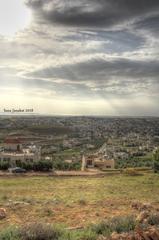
{"points": [[94, 175], [77, 143]]}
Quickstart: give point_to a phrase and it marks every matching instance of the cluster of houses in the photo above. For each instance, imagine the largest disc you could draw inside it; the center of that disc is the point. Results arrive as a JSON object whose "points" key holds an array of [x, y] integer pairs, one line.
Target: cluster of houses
{"points": [[15, 150]]}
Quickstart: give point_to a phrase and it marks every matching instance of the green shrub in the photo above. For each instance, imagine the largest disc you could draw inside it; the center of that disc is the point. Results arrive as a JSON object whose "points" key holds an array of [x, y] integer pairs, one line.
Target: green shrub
{"points": [[9, 234], [26, 165], [134, 162], [116, 224], [47, 212], [86, 234], [42, 165], [60, 164], [103, 228], [156, 166], [153, 219], [4, 165], [156, 161], [39, 231], [123, 224], [82, 202], [4, 197]]}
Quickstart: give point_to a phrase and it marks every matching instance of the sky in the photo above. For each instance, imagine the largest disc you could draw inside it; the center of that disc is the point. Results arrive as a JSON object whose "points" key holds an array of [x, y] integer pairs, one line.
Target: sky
{"points": [[80, 57]]}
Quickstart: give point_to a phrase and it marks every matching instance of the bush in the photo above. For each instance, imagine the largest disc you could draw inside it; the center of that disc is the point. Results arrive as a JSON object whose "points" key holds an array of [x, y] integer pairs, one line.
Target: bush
{"points": [[116, 224], [39, 231], [153, 219], [123, 224], [134, 162], [25, 165], [62, 165], [82, 202], [42, 165], [156, 166], [4, 166], [103, 228], [86, 234], [9, 234], [156, 161]]}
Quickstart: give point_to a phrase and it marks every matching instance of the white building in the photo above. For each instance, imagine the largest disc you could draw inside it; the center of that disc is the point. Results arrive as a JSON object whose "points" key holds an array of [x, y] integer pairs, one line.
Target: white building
{"points": [[14, 152]]}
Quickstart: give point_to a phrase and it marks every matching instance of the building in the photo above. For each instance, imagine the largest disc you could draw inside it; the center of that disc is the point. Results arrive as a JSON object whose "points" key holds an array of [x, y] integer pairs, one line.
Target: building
{"points": [[95, 161], [14, 151], [101, 159]]}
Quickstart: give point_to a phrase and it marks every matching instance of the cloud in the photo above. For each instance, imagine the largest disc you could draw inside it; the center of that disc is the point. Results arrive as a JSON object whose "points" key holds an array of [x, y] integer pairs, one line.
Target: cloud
{"points": [[101, 78], [149, 24], [100, 69], [103, 51], [91, 13]]}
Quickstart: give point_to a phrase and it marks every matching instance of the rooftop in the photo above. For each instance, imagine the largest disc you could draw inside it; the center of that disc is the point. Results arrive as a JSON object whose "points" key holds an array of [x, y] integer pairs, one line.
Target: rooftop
{"points": [[12, 141], [16, 154]]}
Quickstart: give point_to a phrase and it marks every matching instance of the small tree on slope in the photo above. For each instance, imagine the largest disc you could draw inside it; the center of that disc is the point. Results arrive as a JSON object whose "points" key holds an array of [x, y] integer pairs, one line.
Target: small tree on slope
{"points": [[156, 160]]}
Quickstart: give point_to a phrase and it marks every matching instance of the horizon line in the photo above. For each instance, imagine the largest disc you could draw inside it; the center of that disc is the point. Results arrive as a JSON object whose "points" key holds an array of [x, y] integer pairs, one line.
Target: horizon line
{"points": [[76, 115]]}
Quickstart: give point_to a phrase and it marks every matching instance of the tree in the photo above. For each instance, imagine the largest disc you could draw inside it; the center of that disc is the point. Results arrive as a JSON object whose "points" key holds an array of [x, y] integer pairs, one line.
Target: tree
{"points": [[4, 165], [156, 160], [42, 165]]}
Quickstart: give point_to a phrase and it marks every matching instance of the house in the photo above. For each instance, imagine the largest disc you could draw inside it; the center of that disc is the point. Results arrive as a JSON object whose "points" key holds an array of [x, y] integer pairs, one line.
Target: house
{"points": [[101, 159], [95, 161], [12, 144], [14, 152]]}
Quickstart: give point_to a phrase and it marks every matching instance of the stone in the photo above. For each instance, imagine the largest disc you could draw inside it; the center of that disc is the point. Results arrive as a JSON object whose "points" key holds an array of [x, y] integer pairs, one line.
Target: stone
{"points": [[151, 233], [147, 206], [136, 205], [141, 206], [142, 217], [3, 213]]}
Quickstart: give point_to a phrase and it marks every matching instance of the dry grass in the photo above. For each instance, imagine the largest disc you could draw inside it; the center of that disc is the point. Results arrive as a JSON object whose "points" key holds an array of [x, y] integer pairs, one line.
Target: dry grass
{"points": [[58, 199]]}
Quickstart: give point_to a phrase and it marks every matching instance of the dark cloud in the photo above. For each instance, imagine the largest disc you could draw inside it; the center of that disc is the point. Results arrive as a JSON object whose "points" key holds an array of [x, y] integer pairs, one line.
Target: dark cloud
{"points": [[94, 78], [101, 69], [35, 84], [94, 13], [99, 77], [150, 24]]}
